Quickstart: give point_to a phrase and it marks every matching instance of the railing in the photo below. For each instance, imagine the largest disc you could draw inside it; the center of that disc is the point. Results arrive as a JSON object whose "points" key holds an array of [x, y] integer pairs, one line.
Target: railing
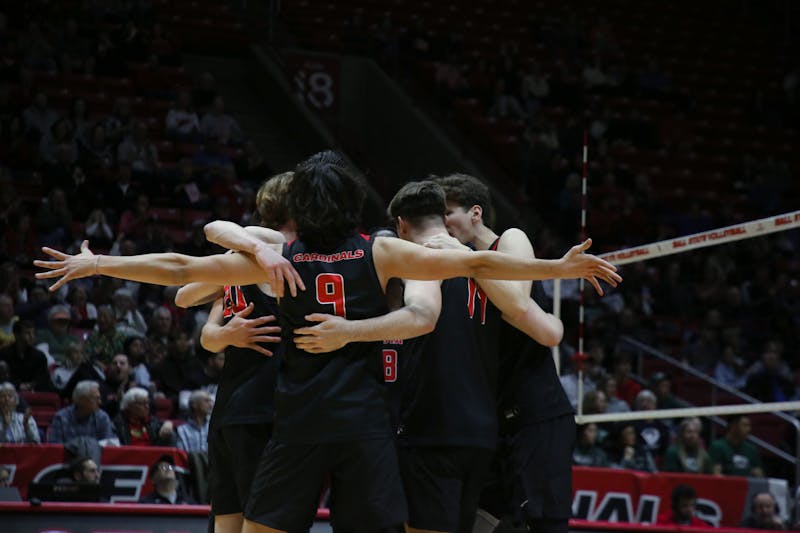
{"points": [[717, 386]]}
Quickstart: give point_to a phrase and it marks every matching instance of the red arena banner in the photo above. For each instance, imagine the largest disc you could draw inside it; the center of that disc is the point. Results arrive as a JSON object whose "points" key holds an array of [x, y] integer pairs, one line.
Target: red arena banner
{"points": [[124, 468], [608, 495], [315, 80]]}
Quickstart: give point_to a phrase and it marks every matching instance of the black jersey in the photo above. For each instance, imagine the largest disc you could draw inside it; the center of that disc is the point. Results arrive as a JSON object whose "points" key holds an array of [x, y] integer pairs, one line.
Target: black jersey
{"points": [[339, 395], [393, 375], [449, 385], [530, 390], [247, 383]]}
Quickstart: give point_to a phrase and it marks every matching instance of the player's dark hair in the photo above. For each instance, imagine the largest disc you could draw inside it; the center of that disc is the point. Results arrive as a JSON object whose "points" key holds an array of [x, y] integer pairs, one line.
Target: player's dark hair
{"points": [[325, 199], [417, 201], [466, 191]]}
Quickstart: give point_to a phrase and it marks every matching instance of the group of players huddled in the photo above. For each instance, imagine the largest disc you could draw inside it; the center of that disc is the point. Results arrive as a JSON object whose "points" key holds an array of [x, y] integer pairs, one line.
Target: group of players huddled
{"points": [[417, 400]]}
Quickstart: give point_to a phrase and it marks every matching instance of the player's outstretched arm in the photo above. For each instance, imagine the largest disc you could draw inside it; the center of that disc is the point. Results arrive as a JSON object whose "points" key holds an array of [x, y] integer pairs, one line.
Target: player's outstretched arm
{"points": [[239, 331], [423, 302], [169, 268], [403, 259]]}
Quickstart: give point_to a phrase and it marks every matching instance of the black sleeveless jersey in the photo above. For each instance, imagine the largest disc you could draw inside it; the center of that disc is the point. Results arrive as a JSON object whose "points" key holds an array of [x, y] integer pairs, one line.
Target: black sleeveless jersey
{"points": [[530, 390], [340, 395], [449, 381], [247, 383], [393, 358]]}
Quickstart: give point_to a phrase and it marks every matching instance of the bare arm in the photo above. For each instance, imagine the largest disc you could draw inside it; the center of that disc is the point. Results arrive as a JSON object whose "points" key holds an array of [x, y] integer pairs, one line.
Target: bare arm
{"points": [[163, 268], [234, 237], [402, 259], [423, 301], [513, 297], [239, 331], [197, 294]]}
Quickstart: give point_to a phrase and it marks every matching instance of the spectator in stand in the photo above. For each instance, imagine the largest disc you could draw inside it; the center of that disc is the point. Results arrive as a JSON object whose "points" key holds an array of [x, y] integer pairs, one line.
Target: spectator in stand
{"points": [[614, 404], [136, 350], [83, 418], [84, 471], [120, 194], [61, 374], [193, 435], [662, 386], [15, 428], [139, 152], [26, 364], [136, 426], [505, 104], [630, 453], [627, 388], [771, 383], [20, 241], [57, 335], [595, 402], [105, 341], [82, 311], [733, 455], [217, 123], [160, 327], [166, 487], [182, 123], [181, 372], [684, 507], [120, 124], [54, 219], [58, 144], [587, 452], [133, 221], [729, 370], [688, 454], [97, 229], [129, 320], [97, 151], [79, 121], [212, 370], [653, 434], [39, 117], [5, 476], [764, 513], [118, 382], [7, 320]]}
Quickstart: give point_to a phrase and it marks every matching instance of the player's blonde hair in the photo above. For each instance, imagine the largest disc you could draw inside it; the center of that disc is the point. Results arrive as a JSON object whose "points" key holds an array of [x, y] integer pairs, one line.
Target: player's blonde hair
{"points": [[271, 201]]}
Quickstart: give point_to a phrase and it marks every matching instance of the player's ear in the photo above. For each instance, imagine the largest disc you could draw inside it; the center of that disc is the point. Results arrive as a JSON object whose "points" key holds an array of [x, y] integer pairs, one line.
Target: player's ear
{"points": [[476, 213], [402, 226]]}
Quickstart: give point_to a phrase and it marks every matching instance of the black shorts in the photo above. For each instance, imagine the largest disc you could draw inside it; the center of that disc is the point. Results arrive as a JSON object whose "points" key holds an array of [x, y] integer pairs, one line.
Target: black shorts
{"points": [[233, 454], [366, 490], [443, 485], [540, 468]]}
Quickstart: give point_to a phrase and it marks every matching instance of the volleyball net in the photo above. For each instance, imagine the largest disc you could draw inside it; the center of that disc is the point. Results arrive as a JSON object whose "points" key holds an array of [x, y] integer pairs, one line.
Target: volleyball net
{"points": [[747, 405]]}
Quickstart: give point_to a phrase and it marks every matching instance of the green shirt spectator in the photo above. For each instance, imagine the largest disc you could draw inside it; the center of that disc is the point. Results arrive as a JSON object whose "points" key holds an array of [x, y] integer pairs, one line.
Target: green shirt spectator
{"points": [[587, 452], [732, 455]]}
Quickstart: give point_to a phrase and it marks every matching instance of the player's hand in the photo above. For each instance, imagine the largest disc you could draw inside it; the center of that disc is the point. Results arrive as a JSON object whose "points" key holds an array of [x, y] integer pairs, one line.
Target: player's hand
{"points": [[67, 267], [278, 270], [248, 333], [443, 241], [330, 334], [576, 264]]}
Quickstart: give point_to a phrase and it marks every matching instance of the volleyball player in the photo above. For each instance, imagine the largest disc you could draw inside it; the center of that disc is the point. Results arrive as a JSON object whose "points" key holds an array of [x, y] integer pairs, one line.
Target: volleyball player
{"points": [[538, 422], [330, 411], [241, 422]]}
